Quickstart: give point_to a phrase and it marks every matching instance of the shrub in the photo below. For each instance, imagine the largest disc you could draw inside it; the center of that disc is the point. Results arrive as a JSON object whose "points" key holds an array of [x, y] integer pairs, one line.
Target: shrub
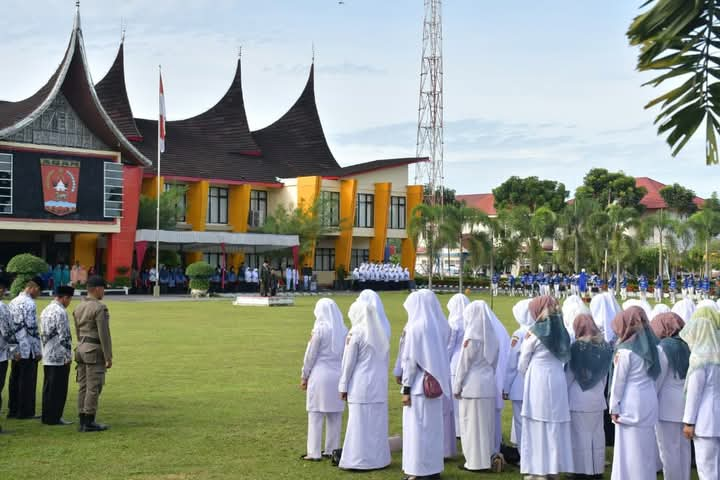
{"points": [[199, 284], [121, 281], [25, 266], [199, 273], [122, 270]]}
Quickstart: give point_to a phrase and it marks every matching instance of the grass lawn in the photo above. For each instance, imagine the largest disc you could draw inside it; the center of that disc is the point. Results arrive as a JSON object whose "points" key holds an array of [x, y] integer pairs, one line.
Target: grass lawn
{"points": [[201, 390]]}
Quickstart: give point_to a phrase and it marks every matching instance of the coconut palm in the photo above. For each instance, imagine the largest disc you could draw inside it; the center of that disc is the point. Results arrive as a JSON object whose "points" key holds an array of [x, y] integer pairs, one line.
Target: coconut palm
{"points": [[574, 221], [706, 225], [658, 225], [425, 225], [459, 220]]}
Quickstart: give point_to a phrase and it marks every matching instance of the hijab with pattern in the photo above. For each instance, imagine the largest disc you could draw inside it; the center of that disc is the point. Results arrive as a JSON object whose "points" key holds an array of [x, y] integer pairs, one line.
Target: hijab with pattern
{"points": [[328, 316], [702, 334], [666, 327], [634, 334], [590, 355], [549, 327], [371, 297]]}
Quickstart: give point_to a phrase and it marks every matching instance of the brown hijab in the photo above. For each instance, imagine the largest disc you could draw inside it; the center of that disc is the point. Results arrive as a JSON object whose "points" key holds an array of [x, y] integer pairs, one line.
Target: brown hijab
{"points": [[667, 324], [584, 327], [628, 322], [541, 307]]}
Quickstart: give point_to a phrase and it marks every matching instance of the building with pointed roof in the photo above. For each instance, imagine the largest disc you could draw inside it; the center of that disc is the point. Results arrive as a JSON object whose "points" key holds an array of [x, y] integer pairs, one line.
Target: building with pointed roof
{"points": [[233, 178]]}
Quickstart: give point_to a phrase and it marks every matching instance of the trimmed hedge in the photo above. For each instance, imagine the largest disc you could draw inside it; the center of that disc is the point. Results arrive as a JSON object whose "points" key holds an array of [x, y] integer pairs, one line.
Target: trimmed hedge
{"points": [[199, 273], [25, 266]]}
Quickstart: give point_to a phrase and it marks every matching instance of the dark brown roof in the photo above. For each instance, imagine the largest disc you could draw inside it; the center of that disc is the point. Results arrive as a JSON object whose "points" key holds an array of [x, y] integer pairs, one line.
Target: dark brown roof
{"points": [[113, 95], [371, 166], [295, 144]]}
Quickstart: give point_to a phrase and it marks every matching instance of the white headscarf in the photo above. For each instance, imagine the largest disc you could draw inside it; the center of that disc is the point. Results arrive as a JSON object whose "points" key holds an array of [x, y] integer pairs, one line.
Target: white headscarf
{"points": [[603, 308], [634, 302], [478, 326], [369, 296], [328, 316], [456, 306], [657, 310], [708, 303], [522, 315], [702, 334], [367, 324], [426, 336], [503, 339], [571, 308], [685, 308]]}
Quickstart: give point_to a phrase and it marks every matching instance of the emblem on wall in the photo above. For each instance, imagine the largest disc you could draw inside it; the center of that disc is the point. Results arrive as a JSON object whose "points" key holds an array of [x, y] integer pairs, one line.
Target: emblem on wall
{"points": [[60, 185]]}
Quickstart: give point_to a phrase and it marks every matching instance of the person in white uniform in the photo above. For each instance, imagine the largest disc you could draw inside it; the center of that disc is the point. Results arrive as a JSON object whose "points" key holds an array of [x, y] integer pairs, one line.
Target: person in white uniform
{"points": [[474, 387], [590, 357], [503, 339], [363, 384], [658, 309], [685, 308], [674, 361], [514, 380], [708, 303], [371, 297], [456, 305], [702, 403], [571, 308], [633, 397], [603, 309], [546, 448], [425, 380], [320, 378], [634, 302]]}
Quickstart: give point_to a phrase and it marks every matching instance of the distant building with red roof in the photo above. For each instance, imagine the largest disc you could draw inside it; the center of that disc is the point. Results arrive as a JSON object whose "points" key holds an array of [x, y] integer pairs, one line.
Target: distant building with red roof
{"points": [[485, 202], [652, 199]]}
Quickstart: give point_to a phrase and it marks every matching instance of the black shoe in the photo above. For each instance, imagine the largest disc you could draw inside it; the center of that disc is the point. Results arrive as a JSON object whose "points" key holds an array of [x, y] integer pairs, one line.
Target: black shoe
{"points": [[83, 422], [60, 422], [91, 426]]}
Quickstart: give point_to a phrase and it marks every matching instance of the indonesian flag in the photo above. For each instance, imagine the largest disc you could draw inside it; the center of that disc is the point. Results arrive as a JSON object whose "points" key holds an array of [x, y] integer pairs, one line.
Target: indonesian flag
{"points": [[161, 123]]}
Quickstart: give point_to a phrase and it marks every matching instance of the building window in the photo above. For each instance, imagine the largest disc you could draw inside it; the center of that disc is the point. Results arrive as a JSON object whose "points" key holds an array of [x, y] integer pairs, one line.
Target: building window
{"points": [[330, 209], [364, 210], [113, 189], [217, 212], [325, 259], [258, 208], [181, 205], [6, 183], [397, 213], [358, 256]]}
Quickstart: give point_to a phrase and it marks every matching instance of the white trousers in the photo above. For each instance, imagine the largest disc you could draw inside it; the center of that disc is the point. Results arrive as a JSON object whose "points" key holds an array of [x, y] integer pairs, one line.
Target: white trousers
{"points": [[516, 431], [674, 450], [707, 457], [333, 425], [366, 444], [477, 416]]}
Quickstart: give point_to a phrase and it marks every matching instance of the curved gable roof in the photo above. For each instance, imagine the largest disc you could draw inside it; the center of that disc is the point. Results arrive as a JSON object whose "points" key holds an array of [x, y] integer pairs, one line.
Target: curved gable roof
{"points": [[296, 140], [112, 92]]}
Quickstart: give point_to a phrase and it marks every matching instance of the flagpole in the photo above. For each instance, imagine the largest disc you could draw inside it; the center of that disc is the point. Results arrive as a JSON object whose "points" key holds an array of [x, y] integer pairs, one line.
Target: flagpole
{"points": [[156, 289]]}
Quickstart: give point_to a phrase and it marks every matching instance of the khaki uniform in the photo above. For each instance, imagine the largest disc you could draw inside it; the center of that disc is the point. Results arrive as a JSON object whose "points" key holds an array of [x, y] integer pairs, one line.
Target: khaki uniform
{"points": [[92, 327]]}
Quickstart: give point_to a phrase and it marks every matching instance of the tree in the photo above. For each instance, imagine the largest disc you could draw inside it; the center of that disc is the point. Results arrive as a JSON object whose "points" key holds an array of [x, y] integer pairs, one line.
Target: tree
{"points": [[543, 224], [308, 223], [679, 199], [622, 245], [679, 39], [424, 225], [612, 187], [169, 210], [530, 192], [457, 219], [660, 224], [706, 224], [25, 266], [447, 195], [574, 221]]}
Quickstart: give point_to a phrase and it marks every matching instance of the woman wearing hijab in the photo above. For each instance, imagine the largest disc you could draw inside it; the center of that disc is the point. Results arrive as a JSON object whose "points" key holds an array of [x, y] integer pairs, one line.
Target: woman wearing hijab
{"points": [[642, 303], [504, 342], [674, 361], [425, 380], [603, 309], [546, 448], [684, 308], [633, 398], [587, 372], [372, 298], [658, 309], [702, 407], [571, 308], [363, 383], [474, 387], [708, 303], [455, 307], [514, 380], [320, 377]]}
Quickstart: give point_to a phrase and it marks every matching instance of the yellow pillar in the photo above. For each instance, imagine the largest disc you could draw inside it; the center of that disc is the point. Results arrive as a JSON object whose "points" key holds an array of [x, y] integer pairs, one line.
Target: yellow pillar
{"points": [[149, 186], [380, 219], [84, 247], [343, 244], [196, 212], [308, 190], [238, 211], [408, 247]]}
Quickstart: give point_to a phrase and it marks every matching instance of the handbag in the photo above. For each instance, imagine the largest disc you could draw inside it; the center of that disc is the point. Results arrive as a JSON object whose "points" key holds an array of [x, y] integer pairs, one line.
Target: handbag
{"points": [[431, 387]]}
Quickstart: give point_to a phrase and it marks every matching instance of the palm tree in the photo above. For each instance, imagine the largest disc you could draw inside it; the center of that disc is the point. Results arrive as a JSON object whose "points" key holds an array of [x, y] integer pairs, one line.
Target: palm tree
{"points": [[425, 225], [575, 220], [660, 224], [458, 220], [621, 220], [706, 224], [543, 225]]}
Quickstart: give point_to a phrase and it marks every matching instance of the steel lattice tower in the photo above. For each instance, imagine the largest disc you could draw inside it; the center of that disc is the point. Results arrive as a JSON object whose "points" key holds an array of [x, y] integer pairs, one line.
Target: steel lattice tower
{"points": [[430, 109]]}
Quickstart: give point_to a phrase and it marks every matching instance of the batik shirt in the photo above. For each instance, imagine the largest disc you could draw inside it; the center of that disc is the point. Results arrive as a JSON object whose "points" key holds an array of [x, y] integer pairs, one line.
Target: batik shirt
{"points": [[8, 344], [25, 326], [56, 337]]}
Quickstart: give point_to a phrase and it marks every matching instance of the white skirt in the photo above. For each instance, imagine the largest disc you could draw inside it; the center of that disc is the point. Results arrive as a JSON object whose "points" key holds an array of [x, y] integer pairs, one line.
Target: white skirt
{"points": [[634, 455], [707, 457], [449, 434], [477, 416], [588, 442], [674, 450], [423, 436], [366, 444], [546, 448]]}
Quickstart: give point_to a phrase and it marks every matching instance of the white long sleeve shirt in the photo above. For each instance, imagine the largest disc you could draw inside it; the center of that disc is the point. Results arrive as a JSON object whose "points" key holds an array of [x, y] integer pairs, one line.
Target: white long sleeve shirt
{"points": [[591, 400], [364, 372], [514, 380], [632, 393], [545, 395], [702, 405], [671, 392], [321, 369], [474, 375]]}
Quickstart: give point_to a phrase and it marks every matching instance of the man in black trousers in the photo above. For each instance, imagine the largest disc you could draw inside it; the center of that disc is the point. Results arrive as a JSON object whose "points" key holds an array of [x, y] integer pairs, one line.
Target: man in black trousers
{"points": [[57, 356]]}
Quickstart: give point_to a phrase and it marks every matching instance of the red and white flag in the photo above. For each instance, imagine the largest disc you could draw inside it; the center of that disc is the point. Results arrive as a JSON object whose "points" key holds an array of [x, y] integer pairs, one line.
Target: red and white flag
{"points": [[161, 124]]}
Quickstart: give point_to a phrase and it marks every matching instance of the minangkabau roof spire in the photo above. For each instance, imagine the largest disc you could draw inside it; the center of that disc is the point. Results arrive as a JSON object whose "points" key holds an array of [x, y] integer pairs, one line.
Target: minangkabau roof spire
{"points": [[77, 15]]}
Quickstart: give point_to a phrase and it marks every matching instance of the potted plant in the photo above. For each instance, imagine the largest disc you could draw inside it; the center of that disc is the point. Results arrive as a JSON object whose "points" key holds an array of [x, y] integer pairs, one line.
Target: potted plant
{"points": [[25, 266], [199, 274]]}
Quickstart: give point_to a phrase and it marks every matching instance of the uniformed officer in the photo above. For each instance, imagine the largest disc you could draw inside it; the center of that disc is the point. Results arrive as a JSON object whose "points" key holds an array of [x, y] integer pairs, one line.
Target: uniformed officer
{"points": [[93, 354]]}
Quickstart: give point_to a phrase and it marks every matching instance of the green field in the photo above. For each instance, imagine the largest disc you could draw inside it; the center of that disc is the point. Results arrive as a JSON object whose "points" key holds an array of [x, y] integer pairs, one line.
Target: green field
{"points": [[201, 390]]}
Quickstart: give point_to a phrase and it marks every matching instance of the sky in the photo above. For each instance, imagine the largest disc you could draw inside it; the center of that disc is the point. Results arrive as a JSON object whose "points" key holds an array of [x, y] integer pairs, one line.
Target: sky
{"points": [[532, 88]]}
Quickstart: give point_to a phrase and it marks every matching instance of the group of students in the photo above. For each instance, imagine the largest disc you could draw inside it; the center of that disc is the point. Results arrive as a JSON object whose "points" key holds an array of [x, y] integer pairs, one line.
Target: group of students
{"points": [[653, 372], [380, 276]]}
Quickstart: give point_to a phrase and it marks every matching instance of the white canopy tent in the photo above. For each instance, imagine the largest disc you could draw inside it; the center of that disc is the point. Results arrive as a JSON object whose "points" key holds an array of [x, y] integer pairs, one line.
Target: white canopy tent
{"points": [[217, 242]]}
